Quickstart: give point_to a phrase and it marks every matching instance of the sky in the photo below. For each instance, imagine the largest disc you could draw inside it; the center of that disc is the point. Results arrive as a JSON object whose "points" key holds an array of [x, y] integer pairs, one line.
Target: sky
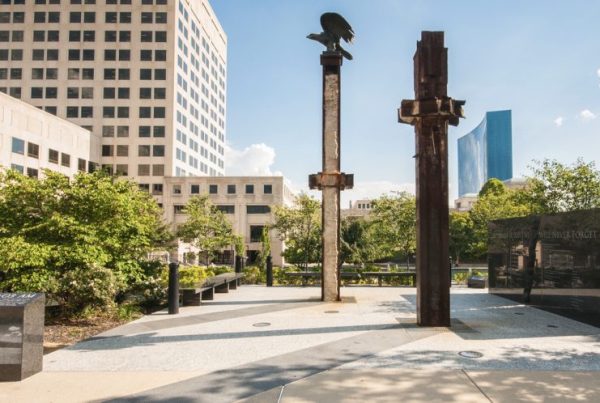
{"points": [[539, 58]]}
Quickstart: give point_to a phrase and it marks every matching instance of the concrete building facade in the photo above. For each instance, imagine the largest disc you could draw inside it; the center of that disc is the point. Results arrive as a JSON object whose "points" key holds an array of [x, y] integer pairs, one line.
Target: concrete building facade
{"points": [[32, 140], [485, 153], [358, 208], [247, 201], [147, 76]]}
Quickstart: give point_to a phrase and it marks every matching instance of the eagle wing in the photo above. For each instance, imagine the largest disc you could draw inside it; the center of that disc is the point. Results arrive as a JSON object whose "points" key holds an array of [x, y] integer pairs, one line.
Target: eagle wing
{"points": [[335, 24]]}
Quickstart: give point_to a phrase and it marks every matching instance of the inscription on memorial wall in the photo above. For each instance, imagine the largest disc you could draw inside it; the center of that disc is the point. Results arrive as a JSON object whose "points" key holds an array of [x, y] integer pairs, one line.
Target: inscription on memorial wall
{"points": [[551, 260]]}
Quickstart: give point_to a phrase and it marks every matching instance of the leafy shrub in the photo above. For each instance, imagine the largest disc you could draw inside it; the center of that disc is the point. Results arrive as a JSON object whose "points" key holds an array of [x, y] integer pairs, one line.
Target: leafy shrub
{"points": [[221, 269], [254, 275], [460, 278], [86, 287]]}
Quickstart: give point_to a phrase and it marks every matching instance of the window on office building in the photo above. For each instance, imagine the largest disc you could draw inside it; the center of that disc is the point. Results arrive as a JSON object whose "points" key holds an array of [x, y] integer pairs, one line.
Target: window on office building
{"points": [[108, 111], [37, 74], [258, 209], [144, 170], [158, 170], [145, 55], [143, 150], [122, 150], [226, 209], [18, 146], [123, 74], [37, 92], [87, 92], [160, 93], [87, 112], [145, 74], [87, 74], [158, 151], [72, 112], [249, 189], [16, 74], [256, 232], [268, 189], [124, 54], [157, 189], [122, 131], [159, 112], [124, 36], [145, 112], [33, 150], [107, 150], [51, 92], [65, 160], [123, 112], [230, 189], [160, 55], [160, 74], [53, 156], [213, 189], [122, 169], [145, 93], [159, 131], [110, 54], [144, 131], [16, 54], [108, 93], [146, 36], [195, 189], [108, 131]]}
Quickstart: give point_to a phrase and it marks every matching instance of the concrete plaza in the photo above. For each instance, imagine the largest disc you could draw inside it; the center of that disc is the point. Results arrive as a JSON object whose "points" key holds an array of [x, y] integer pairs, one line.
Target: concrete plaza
{"points": [[282, 344]]}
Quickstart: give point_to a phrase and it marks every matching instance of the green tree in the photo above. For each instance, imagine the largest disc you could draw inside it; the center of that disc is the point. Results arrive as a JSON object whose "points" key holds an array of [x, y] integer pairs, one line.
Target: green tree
{"points": [[265, 250], [80, 241], [357, 242], [555, 187], [206, 227], [495, 202], [461, 235], [394, 222], [300, 228]]}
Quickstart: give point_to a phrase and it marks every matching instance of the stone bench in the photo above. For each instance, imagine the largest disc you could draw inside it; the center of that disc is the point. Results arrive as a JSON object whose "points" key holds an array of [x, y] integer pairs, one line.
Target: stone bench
{"points": [[219, 284]]}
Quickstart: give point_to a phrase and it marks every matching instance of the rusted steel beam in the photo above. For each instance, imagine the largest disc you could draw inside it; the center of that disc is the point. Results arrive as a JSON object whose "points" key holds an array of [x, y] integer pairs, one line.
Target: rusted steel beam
{"points": [[430, 113]]}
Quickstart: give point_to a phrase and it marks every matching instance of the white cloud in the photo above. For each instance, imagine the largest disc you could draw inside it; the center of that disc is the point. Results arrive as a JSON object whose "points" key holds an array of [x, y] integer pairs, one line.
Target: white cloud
{"points": [[586, 115], [598, 72], [255, 160], [559, 121]]}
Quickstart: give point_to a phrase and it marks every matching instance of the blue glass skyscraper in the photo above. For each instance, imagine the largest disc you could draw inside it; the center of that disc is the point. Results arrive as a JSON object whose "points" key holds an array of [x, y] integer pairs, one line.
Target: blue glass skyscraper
{"points": [[485, 153]]}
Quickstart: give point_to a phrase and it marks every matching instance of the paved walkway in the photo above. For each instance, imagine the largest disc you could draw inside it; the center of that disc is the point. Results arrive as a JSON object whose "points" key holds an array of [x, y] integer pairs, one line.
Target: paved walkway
{"points": [[283, 345]]}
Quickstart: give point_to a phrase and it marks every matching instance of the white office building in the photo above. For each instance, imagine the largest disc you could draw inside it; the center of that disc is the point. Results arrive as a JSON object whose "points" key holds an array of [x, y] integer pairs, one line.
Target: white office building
{"points": [[146, 76], [32, 140]]}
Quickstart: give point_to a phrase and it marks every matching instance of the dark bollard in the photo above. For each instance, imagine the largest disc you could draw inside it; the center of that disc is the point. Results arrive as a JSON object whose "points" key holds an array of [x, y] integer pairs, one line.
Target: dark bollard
{"points": [[269, 271], [173, 288], [238, 264]]}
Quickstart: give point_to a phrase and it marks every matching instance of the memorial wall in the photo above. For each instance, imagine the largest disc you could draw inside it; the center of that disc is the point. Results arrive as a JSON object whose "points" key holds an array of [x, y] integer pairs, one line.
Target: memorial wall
{"points": [[551, 262]]}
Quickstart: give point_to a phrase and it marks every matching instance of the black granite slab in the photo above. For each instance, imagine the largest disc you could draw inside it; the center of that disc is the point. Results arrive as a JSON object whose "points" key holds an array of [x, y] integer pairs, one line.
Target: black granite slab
{"points": [[21, 335], [549, 261]]}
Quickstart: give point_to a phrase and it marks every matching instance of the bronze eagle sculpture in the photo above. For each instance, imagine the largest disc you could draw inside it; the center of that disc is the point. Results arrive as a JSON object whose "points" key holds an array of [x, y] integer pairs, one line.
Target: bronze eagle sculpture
{"points": [[335, 27]]}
